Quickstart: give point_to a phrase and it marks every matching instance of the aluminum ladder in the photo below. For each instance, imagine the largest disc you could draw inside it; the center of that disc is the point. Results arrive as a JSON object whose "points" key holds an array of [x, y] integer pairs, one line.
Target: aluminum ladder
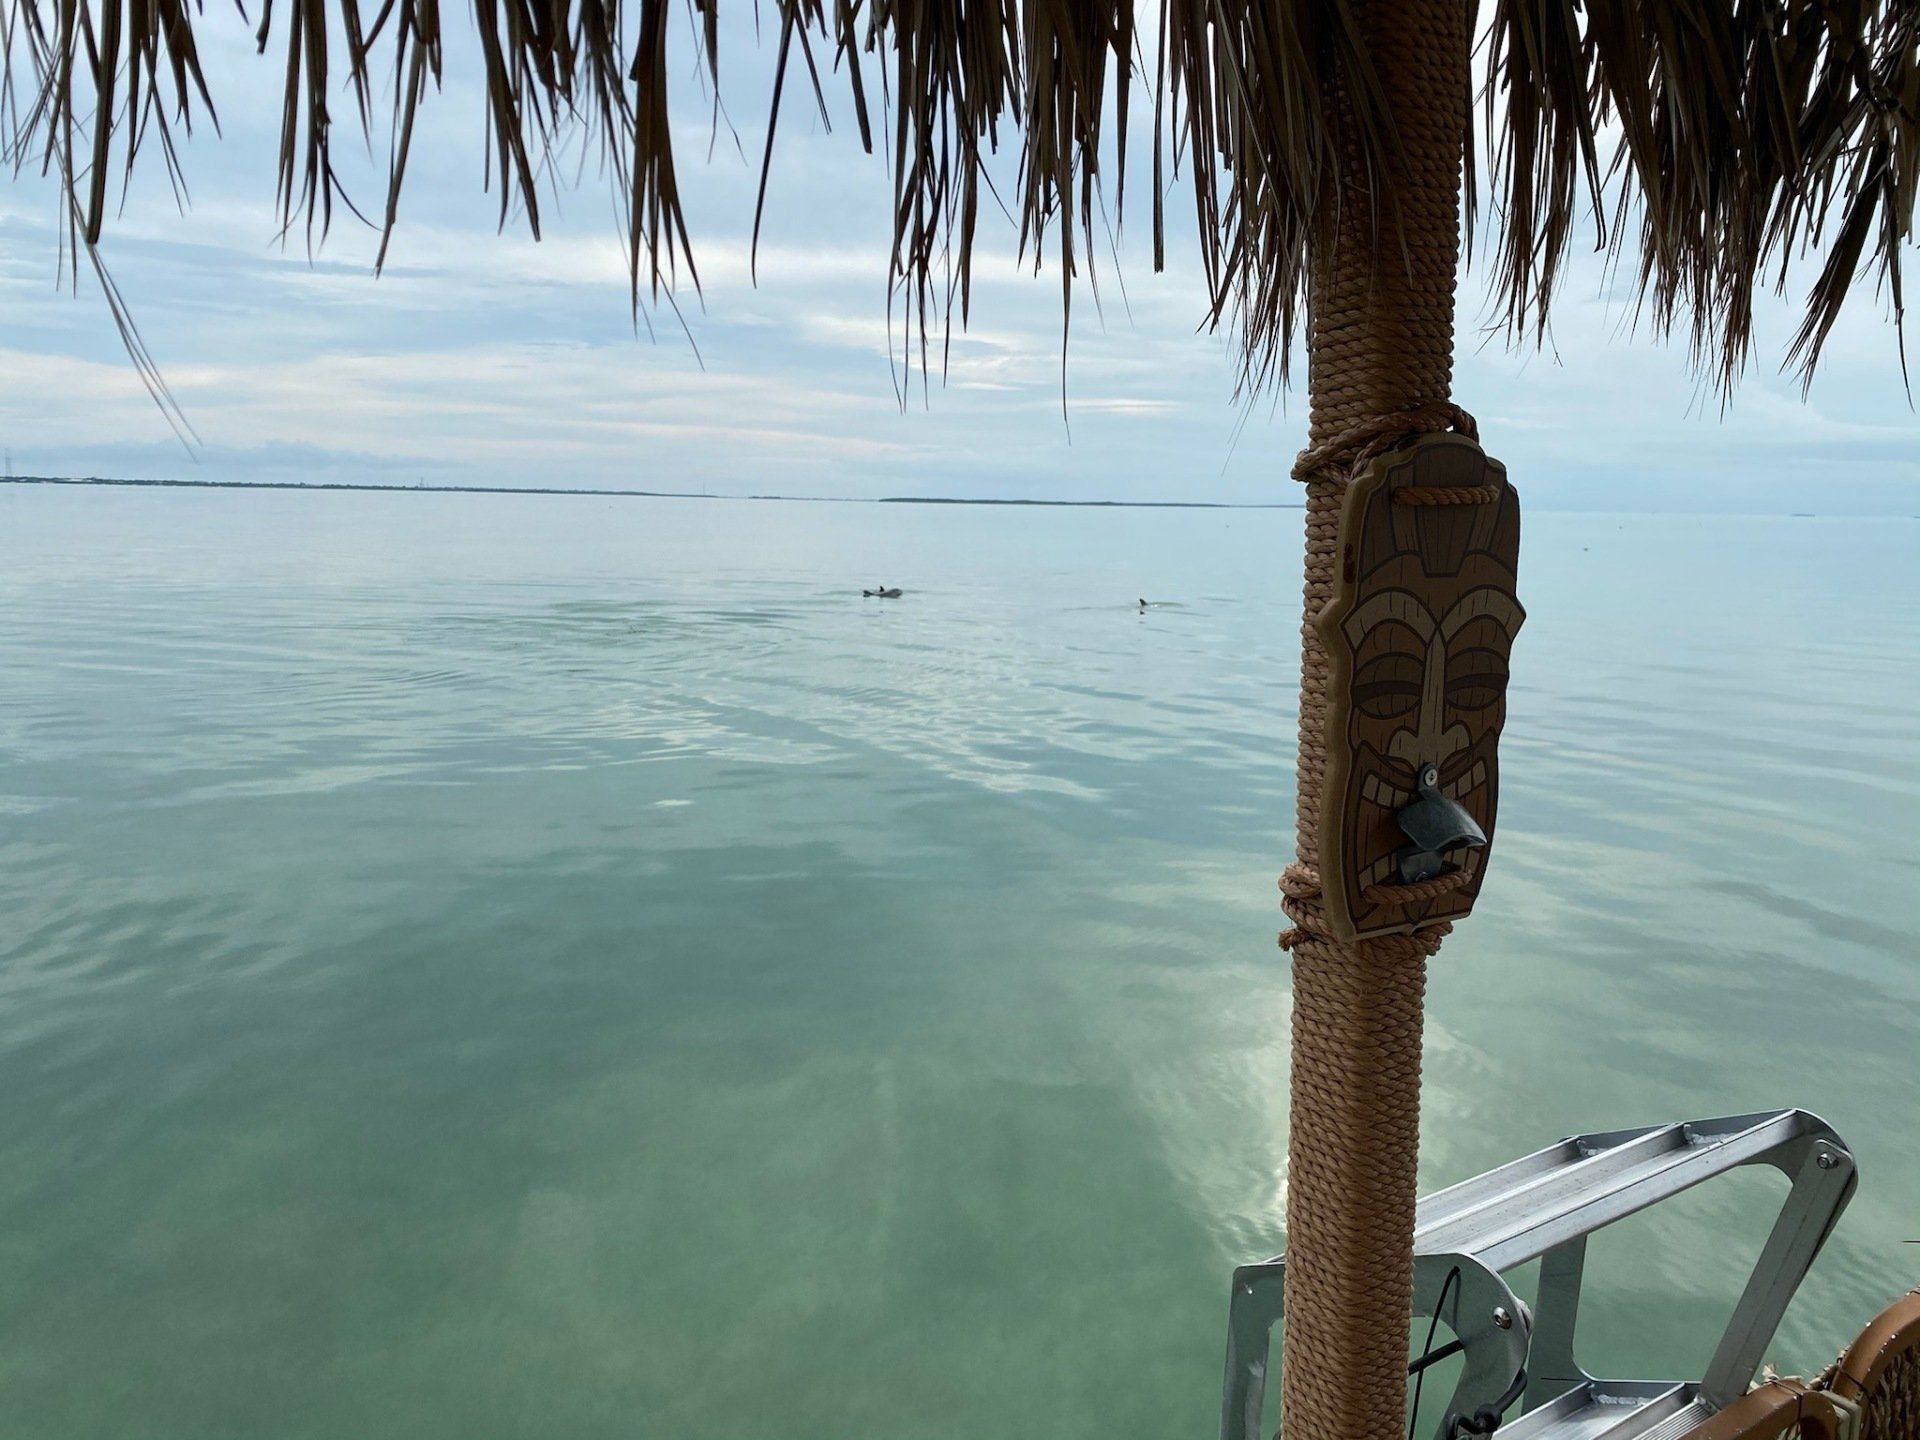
{"points": [[1543, 1207]]}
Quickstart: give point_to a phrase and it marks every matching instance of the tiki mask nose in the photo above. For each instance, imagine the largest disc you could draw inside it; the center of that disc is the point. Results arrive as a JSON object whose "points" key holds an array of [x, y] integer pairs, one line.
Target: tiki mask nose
{"points": [[1433, 824]]}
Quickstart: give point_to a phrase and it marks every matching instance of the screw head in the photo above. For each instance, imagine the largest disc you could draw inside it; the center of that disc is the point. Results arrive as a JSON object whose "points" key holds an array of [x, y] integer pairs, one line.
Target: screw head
{"points": [[1826, 1160], [1501, 1318]]}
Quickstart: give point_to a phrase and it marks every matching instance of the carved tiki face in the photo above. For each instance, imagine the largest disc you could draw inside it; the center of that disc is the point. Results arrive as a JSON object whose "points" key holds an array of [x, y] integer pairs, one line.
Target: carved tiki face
{"points": [[1419, 633]]}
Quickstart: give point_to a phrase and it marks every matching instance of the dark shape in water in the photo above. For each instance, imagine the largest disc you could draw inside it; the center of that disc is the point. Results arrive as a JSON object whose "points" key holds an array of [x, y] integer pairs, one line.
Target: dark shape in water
{"points": [[882, 593]]}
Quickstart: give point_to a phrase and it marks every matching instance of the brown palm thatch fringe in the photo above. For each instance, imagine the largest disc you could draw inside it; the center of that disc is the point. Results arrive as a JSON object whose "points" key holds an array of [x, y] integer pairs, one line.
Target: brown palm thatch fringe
{"points": [[1748, 131]]}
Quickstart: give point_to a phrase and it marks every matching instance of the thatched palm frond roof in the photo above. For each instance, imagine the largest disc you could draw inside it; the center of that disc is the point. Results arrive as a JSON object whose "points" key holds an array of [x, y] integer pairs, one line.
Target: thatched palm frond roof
{"points": [[1722, 139]]}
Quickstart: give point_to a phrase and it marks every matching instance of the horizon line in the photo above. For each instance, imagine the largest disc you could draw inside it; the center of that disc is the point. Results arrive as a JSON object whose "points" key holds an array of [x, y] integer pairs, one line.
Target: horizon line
{"points": [[424, 488]]}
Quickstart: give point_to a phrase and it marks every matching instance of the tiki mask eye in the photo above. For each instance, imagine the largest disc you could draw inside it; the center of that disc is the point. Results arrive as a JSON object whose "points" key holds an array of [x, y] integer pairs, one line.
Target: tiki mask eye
{"points": [[1387, 687], [1476, 678]]}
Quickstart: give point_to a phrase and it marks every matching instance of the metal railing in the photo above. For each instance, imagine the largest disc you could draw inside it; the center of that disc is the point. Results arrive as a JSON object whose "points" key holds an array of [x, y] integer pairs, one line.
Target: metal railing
{"points": [[1543, 1207]]}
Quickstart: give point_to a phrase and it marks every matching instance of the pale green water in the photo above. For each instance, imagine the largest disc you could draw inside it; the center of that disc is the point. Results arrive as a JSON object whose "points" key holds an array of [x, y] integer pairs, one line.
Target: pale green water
{"points": [[570, 968]]}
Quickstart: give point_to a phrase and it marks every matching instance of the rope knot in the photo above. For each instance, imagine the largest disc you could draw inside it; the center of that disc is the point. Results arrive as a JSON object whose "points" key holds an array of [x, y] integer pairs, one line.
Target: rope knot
{"points": [[1300, 898], [1345, 450]]}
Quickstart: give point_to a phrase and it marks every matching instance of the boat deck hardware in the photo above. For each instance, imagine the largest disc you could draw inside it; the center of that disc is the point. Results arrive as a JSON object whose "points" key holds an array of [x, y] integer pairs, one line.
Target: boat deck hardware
{"points": [[1543, 1207]]}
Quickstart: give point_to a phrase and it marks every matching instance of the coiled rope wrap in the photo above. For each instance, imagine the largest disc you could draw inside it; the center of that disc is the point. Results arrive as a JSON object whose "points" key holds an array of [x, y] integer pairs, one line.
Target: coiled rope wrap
{"points": [[1380, 369]]}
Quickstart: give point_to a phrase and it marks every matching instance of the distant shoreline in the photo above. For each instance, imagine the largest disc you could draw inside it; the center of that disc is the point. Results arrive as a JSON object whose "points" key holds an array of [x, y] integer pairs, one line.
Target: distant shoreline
{"points": [[86, 480]]}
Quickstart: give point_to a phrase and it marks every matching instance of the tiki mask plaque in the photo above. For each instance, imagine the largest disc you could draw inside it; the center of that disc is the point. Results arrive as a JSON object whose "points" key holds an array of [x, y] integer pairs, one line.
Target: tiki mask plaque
{"points": [[1419, 632]]}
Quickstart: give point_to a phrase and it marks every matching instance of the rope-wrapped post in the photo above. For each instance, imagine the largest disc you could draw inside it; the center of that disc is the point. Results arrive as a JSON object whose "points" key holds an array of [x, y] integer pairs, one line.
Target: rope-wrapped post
{"points": [[1380, 367]]}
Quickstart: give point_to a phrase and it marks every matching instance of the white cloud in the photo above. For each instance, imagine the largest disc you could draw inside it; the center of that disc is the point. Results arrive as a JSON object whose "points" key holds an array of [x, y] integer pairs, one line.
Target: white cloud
{"points": [[487, 355]]}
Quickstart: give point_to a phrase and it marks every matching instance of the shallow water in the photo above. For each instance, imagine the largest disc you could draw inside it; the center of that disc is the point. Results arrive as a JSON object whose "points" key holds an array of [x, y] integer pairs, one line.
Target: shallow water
{"points": [[571, 967]]}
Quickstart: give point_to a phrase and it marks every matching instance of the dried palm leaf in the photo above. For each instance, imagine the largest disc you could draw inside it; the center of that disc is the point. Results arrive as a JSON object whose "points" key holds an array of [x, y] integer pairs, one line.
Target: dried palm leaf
{"points": [[1729, 137]]}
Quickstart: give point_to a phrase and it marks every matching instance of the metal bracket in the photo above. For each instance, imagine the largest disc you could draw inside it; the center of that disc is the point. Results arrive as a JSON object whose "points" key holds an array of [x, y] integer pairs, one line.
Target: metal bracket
{"points": [[1483, 1314], [1542, 1207]]}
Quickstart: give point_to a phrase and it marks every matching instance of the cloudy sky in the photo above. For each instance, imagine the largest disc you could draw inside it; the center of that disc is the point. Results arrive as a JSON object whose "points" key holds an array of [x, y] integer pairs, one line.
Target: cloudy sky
{"points": [[482, 357]]}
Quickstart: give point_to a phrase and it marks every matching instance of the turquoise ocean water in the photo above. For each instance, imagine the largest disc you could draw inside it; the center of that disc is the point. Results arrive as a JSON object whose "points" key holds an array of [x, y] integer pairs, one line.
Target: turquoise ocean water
{"points": [[490, 967]]}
